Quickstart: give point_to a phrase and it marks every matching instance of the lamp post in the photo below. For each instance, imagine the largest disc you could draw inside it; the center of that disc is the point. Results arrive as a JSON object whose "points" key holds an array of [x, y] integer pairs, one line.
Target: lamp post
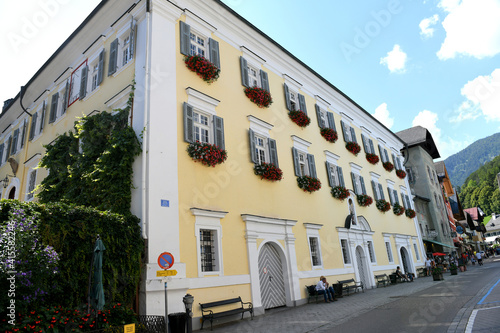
{"points": [[188, 304]]}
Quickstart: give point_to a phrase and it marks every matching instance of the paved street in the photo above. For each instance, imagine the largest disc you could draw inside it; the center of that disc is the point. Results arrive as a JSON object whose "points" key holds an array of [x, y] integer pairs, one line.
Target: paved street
{"points": [[467, 302]]}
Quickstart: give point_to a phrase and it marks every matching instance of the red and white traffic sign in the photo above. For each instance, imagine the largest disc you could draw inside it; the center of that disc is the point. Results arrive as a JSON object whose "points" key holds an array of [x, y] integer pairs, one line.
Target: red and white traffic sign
{"points": [[165, 260]]}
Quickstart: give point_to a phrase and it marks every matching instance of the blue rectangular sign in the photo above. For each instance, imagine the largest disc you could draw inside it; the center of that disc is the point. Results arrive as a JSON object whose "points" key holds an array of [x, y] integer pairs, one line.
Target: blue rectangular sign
{"points": [[165, 203]]}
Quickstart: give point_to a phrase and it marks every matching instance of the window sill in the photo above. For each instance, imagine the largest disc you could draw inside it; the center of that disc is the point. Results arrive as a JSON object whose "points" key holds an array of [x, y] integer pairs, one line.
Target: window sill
{"points": [[210, 274], [61, 117], [92, 93], [122, 68]]}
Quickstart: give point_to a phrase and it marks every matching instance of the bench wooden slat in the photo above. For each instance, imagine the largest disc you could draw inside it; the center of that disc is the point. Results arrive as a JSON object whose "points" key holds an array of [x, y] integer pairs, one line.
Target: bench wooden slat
{"points": [[211, 315], [219, 303]]}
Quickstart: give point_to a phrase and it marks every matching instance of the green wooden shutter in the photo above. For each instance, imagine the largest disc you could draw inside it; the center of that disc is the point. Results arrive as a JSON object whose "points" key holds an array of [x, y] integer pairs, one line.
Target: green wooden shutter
{"points": [[133, 28], [353, 135], [362, 181], [403, 200], [331, 121], [244, 72], [321, 123], [83, 82], [287, 98], [53, 108], [33, 127], [386, 155], [396, 196], [381, 152], [312, 166], [185, 30], [100, 70], [375, 192], [264, 80], [219, 132], [345, 128], [1, 156], [302, 103], [253, 154], [370, 142], [15, 139], [42, 117], [365, 144], [213, 47], [65, 97], [381, 191], [188, 123], [354, 183], [23, 132], [113, 57], [331, 181], [408, 203], [390, 195], [340, 176], [9, 147], [296, 163], [273, 152]]}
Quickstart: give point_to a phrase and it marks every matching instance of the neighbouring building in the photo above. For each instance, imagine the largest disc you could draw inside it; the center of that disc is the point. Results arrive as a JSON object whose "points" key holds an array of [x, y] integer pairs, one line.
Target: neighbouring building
{"points": [[231, 232], [474, 217]]}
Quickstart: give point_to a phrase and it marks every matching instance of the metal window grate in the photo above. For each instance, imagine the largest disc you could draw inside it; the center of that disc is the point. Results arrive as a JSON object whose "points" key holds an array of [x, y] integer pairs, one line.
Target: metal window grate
{"points": [[370, 251], [207, 250], [389, 253], [345, 251], [313, 242]]}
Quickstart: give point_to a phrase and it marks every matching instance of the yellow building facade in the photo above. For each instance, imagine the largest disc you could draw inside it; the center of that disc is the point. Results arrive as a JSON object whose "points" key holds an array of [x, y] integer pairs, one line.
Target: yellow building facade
{"points": [[231, 232]]}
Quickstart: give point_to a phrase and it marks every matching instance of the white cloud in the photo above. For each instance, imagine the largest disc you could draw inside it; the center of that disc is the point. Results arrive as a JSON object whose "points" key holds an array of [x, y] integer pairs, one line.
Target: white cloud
{"points": [[395, 60], [446, 146], [472, 28], [382, 115], [483, 98], [425, 26]]}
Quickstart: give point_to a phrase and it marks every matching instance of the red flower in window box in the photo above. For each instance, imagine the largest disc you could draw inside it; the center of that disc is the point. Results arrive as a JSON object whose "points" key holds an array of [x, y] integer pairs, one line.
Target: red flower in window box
{"points": [[308, 184], [206, 153], [398, 209], [353, 147], [410, 213], [340, 192], [259, 96], [300, 118], [382, 205], [203, 67], [268, 171], [329, 134], [372, 158], [364, 200], [388, 166], [401, 174]]}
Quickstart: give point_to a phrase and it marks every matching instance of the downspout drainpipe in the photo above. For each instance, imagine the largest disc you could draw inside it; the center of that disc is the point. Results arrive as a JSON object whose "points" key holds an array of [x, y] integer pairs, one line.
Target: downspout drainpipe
{"points": [[145, 137], [23, 90]]}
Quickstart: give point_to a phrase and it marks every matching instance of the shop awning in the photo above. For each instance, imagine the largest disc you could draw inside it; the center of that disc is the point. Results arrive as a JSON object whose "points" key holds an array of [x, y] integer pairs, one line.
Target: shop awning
{"points": [[438, 243]]}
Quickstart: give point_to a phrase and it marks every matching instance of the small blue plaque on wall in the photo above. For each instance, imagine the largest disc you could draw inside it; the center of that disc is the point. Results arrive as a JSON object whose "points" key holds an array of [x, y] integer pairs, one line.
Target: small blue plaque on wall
{"points": [[165, 203]]}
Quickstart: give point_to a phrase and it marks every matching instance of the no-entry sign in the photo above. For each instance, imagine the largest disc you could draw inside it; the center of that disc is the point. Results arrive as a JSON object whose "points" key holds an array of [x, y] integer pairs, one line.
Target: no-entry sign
{"points": [[165, 260]]}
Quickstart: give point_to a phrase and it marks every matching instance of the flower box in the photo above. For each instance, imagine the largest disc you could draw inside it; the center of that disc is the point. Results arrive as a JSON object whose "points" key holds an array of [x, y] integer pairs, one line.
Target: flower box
{"points": [[203, 67], [353, 147], [388, 166], [206, 153], [300, 118], [372, 158], [268, 171], [382, 205], [397, 209], [308, 184], [340, 192], [410, 213], [329, 134], [259, 96], [401, 174], [364, 200]]}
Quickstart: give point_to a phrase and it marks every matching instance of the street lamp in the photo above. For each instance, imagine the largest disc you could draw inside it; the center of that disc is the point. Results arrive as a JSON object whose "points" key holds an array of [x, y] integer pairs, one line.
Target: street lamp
{"points": [[188, 304]]}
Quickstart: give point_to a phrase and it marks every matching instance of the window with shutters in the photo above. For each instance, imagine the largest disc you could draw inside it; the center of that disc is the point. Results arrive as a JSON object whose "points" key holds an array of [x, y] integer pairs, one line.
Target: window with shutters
{"points": [[304, 163], [94, 76], [262, 148], [335, 176], [325, 118], [122, 48], [345, 251], [384, 155], [348, 132], [77, 86], [314, 249], [294, 104], [30, 192], [393, 194], [378, 190], [367, 144], [197, 44], [195, 41], [358, 183]]}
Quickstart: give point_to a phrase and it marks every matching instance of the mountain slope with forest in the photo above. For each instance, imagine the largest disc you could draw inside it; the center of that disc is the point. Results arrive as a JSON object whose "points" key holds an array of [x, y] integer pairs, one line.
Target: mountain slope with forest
{"points": [[468, 160]]}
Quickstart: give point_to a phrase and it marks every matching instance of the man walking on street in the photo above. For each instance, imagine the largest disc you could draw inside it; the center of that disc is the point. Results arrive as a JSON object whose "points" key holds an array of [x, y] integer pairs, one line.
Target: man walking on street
{"points": [[479, 258]]}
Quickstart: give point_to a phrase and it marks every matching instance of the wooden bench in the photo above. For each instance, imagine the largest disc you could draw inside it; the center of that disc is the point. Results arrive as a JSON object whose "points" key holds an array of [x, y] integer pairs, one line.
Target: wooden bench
{"points": [[382, 279], [350, 285], [421, 272], [312, 293], [395, 278], [207, 311]]}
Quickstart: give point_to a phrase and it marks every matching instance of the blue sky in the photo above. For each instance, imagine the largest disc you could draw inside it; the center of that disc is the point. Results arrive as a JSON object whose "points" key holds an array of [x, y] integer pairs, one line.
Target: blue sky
{"points": [[434, 63]]}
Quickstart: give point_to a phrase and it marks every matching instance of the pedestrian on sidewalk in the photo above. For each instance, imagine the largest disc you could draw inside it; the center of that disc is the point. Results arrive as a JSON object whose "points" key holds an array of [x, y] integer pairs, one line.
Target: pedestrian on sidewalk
{"points": [[323, 288], [428, 266], [479, 258]]}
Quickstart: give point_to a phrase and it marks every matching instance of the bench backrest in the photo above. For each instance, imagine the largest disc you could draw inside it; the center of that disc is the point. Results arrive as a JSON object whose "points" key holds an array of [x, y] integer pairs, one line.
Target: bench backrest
{"points": [[347, 281], [219, 303], [311, 289]]}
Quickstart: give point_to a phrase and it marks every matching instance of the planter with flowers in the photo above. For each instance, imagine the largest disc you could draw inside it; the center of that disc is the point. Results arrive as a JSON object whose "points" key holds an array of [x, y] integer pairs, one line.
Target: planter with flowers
{"points": [[410, 213], [300, 118], [353, 147], [340, 192], [259, 96], [401, 174], [206, 153], [437, 274], [364, 200], [308, 184], [203, 67], [372, 158], [268, 171], [329, 134], [398, 209], [382, 205], [388, 166]]}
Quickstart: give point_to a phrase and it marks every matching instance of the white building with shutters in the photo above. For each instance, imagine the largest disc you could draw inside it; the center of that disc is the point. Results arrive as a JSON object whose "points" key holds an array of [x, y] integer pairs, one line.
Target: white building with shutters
{"points": [[231, 231]]}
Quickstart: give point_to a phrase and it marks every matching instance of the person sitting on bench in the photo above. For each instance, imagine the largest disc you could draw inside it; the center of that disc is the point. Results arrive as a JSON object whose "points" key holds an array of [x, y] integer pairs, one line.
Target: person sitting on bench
{"points": [[323, 289], [405, 277]]}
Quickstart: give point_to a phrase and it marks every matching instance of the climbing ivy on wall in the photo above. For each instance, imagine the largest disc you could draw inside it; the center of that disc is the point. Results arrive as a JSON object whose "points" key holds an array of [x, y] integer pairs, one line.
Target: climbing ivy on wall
{"points": [[92, 166]]}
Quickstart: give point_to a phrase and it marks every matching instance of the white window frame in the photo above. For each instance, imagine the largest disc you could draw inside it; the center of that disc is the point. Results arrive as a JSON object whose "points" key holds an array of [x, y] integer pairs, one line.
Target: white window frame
{"points": [[368, 139], [294, 99], [75, 82], [302, 147], [261, 149], [122, 34], [30, 195], [199, 126], [356, 170], [346, 255], [204, 105], [196, 44], [261, 130], [303, 165], [209, 220], [253, 75], [312, 232]]}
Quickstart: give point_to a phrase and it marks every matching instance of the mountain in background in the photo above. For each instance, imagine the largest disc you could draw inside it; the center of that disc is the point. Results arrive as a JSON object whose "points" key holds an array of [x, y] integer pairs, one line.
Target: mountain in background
{"points": [[468, 160]]}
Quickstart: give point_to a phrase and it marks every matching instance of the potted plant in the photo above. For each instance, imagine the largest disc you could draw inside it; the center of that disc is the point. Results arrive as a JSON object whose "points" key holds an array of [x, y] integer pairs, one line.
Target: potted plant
{"points": [[401, 174], [300, 118], [453, 269], [388, 166], [364, 200], [372, 158], [353, 147], [398, 209], [410, 213], [206, 153], [203, 67], [340, 192], [329, 134], [437, 274], [268, 171], [383, 205], [308, 184], [259, 96]]}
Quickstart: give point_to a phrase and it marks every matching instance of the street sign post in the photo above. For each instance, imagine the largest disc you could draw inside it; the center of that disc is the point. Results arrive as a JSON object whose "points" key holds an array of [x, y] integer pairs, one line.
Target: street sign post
{"points": [[172, 272], [165, 261]]}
